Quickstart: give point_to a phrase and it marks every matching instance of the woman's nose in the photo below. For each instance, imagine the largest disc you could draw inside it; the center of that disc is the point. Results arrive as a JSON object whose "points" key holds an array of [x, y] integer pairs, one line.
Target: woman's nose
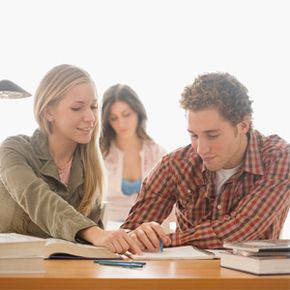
{"points": [[90, 116], [121, 123]]}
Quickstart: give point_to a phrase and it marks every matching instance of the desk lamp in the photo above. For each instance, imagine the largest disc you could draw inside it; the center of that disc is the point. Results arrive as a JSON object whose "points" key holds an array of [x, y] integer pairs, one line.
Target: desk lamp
{"points": [[9, 90]]}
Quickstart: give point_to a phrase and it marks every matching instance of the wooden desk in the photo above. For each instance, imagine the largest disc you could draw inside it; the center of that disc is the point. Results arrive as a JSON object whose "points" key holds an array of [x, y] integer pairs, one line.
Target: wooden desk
{"points": [[202, 274]]}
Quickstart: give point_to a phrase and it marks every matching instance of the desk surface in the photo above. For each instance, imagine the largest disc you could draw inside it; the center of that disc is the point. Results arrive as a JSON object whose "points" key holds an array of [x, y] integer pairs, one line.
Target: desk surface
{"points": [[194, 274]]}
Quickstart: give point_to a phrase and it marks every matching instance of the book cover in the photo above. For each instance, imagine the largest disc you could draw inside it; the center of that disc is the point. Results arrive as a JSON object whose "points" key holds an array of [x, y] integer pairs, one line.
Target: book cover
{"points": [[260, 245]]}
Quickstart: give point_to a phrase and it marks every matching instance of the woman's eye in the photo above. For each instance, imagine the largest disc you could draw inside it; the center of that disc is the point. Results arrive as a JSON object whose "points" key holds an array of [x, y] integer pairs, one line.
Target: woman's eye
{"points": [[75, 109], [94, 108]]}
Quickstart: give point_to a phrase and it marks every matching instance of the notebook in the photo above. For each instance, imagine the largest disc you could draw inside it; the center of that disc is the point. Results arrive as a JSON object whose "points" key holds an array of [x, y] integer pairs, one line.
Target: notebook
{"points": [[175, 253]]}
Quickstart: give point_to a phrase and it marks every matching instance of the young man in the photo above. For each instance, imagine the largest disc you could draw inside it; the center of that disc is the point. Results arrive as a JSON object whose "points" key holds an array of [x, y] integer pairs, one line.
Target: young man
{"points": [[231, 184]]}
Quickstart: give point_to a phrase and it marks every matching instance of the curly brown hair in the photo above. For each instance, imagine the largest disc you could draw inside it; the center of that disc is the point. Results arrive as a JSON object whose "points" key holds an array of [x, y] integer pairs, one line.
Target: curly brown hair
{"points": [[221, 91]]}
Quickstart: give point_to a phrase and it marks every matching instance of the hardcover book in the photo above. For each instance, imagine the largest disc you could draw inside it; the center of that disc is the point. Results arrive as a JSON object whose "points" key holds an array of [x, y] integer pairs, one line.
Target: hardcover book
{"points": [[260, 265], [258, 256]]}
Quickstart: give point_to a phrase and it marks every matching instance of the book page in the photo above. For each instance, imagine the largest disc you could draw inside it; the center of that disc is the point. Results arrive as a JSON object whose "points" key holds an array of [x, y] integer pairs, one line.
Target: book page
{"points": [[14, 245], [57, 247], [17, 238], [175, 253]]}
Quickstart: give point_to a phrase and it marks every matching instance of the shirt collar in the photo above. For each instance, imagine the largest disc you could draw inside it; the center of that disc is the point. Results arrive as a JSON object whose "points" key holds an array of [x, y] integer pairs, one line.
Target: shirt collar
{"points": [[39, 142], [253, 160], [40, 145]]}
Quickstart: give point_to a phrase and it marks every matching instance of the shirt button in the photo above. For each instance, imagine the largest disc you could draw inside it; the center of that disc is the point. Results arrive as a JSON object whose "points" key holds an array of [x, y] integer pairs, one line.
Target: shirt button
{"points": [[219, 207]]}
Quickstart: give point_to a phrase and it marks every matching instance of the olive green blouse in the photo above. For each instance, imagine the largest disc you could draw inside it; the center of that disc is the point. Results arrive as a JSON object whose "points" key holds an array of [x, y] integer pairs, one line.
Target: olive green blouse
{"points": [[33, 200]]}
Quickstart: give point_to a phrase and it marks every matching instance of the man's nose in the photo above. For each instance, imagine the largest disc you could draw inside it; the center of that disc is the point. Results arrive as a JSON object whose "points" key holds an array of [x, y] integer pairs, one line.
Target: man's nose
{"points": [[202, 147]]}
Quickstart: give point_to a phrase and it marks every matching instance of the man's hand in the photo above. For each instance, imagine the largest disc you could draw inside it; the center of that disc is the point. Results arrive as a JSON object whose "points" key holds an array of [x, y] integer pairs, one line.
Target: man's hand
{"points": [[149, 235]]}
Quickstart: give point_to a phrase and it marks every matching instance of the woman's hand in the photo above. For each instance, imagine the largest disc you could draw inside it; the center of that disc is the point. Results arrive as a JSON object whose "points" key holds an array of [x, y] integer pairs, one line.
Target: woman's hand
{"points": [[149, 235], [116, 241]]}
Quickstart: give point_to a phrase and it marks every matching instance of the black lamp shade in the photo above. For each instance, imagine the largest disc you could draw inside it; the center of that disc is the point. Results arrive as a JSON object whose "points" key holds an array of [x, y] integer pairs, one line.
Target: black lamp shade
{"points": [[9, 90]]}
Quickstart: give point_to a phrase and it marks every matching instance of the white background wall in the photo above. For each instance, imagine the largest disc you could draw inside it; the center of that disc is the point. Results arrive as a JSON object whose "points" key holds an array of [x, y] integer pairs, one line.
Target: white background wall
{"points": [[155, 46]]}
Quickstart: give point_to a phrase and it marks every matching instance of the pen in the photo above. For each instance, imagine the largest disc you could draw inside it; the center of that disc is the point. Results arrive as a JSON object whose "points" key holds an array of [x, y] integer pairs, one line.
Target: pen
{"points": [[121, 264], [161, 246]]}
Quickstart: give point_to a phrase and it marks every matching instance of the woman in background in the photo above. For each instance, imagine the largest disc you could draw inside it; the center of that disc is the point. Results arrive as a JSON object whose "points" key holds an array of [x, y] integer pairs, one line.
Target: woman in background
{"points": [[129, 152], [52, 183]]}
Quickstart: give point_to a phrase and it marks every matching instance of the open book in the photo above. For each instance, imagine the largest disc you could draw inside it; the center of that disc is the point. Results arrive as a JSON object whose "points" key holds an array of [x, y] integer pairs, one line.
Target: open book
{"points": [[22, 246], [175, 253], [26, 254]]}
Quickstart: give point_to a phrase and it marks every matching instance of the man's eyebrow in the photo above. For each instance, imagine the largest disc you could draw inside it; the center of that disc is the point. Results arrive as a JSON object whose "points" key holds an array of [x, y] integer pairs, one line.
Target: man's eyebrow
{"points": [[212, 131], [206, 131]]}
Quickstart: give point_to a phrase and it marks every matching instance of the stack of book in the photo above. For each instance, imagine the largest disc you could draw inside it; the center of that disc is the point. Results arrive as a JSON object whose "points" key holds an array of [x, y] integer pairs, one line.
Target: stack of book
{"points": [[259, 257], [26, 254]]}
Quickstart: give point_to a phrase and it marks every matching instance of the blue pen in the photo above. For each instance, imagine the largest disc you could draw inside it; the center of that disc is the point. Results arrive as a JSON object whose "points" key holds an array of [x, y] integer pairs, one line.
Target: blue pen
{"points": [[121, 264], [120, 261], [161, 246]]}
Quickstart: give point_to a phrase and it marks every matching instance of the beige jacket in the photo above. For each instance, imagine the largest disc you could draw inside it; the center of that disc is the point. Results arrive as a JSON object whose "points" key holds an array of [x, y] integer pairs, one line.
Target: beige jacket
{"points": [[33, 200]]}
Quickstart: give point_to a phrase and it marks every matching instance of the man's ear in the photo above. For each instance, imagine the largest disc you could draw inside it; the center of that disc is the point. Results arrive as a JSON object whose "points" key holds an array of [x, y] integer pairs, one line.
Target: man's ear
{"points": [[245, 124], [48, 114]]}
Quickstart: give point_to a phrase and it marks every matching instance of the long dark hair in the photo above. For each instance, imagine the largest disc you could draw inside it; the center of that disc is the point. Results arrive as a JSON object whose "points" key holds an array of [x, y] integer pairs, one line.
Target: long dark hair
{"points": [[124, 93]]}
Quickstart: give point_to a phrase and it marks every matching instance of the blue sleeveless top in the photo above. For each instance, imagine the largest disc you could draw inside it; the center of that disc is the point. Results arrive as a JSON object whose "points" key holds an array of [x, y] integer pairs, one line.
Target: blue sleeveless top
{"points": [[130, 187]]}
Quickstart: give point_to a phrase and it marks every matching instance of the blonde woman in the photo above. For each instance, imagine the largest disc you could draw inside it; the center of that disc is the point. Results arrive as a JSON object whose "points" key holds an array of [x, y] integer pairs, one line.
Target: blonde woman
{"points": [[52, 183], [129, 152]]}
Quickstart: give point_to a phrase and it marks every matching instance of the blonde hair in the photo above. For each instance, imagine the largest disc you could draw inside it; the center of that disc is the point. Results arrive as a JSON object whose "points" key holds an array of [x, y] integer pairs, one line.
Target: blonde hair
{"points": [[51, 90]]}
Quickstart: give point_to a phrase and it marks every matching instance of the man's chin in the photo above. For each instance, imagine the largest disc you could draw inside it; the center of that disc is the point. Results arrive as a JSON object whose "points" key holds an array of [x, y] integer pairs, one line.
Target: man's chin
{"points": [[212, 167]]}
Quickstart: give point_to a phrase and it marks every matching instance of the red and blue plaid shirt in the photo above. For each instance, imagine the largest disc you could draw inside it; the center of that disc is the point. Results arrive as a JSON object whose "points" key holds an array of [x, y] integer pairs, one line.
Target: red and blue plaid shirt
{"points": [[252, 204]]}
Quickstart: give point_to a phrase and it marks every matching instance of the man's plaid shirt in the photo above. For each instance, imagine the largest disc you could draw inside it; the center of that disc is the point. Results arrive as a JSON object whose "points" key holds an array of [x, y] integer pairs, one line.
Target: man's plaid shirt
{"points": [[252, 204]]}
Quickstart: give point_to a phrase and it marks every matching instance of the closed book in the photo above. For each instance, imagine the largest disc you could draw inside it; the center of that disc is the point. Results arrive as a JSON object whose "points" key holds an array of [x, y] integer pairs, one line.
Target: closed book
{"points": [[259, 265], [260, 246], [22, 246], [262, 253]]}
